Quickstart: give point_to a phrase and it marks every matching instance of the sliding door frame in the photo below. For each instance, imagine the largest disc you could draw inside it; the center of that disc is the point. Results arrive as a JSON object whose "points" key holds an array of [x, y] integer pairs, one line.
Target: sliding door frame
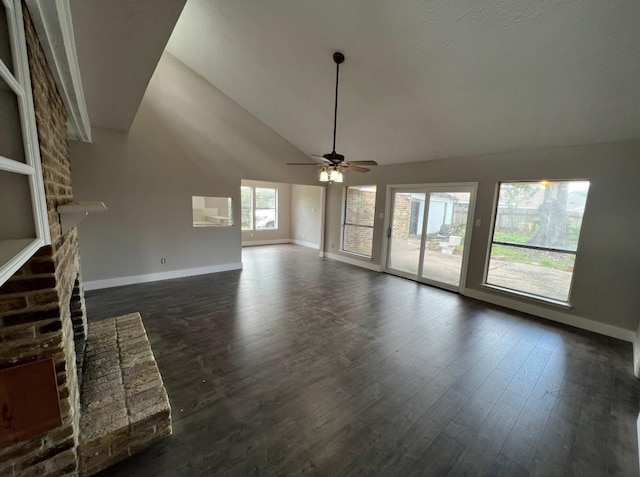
{"points": [[427, 188]]}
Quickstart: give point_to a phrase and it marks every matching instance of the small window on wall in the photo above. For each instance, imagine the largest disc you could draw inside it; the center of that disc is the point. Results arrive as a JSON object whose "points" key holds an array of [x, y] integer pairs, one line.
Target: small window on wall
{"points": [[212, 211], [259, 208], [359, 215], [535, 237]]}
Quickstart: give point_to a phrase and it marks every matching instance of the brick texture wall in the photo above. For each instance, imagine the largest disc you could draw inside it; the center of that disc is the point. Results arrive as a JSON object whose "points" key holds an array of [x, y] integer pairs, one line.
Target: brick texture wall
{"points": [[401, 217], [42, 305], [360, 211]]}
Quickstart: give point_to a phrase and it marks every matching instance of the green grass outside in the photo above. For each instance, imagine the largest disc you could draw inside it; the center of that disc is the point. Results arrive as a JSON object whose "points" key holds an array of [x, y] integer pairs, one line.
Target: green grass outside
{"points": [[552, 260]]}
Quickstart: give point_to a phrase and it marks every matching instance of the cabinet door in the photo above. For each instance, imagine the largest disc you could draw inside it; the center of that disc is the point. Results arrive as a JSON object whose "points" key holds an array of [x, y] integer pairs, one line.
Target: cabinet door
{"points": [[23, 213]]}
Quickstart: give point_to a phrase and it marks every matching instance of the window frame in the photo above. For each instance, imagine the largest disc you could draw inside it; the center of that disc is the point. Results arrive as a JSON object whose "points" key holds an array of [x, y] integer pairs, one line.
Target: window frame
{"points": [[253, 210], [344, 223], [243, 207], [15, 252], [491, 242]]}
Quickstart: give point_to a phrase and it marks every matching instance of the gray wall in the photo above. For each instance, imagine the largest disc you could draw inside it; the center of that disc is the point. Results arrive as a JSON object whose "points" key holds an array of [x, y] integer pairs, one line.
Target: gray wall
{"points": [[306, 206], [607, 271], [187, 139]]}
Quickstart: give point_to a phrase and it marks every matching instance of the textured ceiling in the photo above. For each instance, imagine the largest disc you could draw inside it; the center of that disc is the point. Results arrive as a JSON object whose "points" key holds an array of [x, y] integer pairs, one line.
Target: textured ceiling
{"points": [[423, 79]]}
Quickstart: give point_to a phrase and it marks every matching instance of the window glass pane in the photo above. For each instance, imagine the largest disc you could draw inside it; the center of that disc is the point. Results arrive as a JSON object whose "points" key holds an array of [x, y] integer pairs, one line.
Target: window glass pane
{"points": [[358, 239], [359, 217], [11, 145], [535, 238], [542, 214], [246, 206], [266, 212], [538, 272], [5, 45], [361, 205], [265, 219], [265, 198], [16, 221]]}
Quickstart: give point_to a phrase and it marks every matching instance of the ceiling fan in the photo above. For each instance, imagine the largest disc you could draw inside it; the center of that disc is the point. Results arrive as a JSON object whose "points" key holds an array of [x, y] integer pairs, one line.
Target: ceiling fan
{"points": [[333, 164]]}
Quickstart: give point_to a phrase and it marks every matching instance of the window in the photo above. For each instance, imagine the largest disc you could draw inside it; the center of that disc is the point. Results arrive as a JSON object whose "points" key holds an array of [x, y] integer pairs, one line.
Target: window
{"points": [[259, 208], [359, 215], [535, 237], [24, 226], [246, 206]]}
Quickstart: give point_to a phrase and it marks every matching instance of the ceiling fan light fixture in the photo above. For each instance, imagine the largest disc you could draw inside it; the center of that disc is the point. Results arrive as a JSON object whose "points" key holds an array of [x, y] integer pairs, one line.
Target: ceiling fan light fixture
{"points": [[336, 175], [333, 164]]}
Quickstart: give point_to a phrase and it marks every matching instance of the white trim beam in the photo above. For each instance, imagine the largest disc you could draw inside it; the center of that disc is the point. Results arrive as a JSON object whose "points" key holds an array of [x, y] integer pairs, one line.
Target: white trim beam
{"points": [[54, 25]]}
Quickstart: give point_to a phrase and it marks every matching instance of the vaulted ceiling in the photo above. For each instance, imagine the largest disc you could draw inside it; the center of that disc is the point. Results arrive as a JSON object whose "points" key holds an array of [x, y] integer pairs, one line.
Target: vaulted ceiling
{"points": [[422, 80]]}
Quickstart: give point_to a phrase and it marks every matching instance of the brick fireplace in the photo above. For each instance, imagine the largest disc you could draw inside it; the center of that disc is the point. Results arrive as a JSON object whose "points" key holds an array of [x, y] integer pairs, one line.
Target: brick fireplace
{"points": [[37, 303], [42, 316]]}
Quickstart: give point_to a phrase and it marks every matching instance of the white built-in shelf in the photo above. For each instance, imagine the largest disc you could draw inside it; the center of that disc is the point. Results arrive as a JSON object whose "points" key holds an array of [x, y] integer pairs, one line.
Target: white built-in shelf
{"points": [[72, 213], [81, 207], [13, 254], [9, 248]]}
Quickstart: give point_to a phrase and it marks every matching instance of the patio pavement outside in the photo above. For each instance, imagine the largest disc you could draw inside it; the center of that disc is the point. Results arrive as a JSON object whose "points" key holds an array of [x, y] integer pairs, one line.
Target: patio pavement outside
{"points": [[445, 268]]}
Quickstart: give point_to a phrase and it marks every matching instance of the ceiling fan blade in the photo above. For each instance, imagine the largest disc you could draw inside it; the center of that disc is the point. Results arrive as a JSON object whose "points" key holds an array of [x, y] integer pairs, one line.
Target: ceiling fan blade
{"points": [[320, 157], [302, 164], [364, 163], [355, 168]]}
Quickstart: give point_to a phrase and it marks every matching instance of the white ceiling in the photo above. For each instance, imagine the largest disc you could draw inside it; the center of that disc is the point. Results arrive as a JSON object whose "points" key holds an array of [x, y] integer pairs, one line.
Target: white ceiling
{"points": [[422, 79]]}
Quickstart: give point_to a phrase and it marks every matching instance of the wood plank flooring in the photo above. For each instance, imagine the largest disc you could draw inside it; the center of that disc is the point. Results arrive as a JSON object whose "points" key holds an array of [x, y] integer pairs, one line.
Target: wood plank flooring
{"points": [[299, 365]]}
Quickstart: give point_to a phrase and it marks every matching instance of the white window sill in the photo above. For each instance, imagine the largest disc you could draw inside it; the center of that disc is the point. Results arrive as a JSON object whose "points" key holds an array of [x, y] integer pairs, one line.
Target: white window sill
{"points": [[529, 296]]}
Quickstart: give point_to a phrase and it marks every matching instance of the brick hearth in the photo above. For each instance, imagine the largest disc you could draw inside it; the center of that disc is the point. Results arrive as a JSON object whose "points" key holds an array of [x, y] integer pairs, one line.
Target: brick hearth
{"points": [[125, 407]]}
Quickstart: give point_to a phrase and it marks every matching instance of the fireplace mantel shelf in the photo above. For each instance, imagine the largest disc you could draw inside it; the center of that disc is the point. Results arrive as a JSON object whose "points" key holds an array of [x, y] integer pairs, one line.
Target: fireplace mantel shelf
{"points": [[71, 214]]}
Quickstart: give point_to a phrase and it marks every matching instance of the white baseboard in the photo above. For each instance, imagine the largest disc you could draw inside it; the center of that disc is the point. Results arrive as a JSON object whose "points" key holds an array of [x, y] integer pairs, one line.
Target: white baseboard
{"points": [[251, 243], [554, 315], [314, 246], [152, 277], [532, 309], [353, 261]]}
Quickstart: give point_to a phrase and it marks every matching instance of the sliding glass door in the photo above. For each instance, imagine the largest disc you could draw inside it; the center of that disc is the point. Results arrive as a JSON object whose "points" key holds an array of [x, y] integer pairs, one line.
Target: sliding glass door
{"points": [[428, 233], [405, 233]]}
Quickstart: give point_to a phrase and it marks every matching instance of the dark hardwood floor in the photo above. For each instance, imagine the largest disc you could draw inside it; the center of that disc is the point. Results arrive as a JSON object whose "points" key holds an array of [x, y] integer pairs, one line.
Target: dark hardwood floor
{"points": [[306, 366]]}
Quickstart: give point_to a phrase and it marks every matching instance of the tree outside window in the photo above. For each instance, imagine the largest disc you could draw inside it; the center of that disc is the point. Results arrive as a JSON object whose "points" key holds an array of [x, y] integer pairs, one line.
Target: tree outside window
{"points": [[535, 237], [246, 205]]}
